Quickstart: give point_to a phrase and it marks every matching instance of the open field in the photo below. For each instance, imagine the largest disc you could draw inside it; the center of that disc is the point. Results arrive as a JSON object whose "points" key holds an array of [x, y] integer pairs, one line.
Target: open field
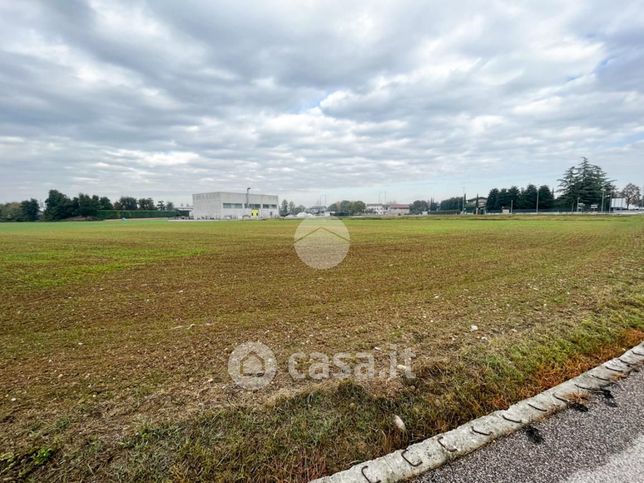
{"points": [[116, 336]]}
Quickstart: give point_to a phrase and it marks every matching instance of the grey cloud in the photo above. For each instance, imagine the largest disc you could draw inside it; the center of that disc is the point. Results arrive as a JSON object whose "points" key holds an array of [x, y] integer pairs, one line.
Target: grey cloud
{"points": [[165, 99]]}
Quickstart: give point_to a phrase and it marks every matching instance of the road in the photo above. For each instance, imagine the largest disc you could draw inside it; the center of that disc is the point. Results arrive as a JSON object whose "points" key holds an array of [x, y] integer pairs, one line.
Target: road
{"points": [[603, 445]]}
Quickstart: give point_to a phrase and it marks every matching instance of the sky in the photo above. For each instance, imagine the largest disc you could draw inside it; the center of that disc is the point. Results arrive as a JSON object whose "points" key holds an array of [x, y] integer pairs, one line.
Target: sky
{"points": [[316, 100]]}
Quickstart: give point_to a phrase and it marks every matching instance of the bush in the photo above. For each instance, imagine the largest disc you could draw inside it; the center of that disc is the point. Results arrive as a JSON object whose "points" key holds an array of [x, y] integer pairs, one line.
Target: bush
{"points": [[117, 214]]}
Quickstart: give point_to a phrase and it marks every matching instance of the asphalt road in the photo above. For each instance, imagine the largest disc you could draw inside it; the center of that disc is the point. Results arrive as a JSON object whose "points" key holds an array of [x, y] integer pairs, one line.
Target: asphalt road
{"points": [[603, 445]]}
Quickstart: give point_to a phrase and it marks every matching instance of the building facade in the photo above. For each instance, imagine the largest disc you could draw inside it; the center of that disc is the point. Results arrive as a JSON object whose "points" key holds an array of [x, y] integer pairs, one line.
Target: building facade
{"points": [[231, 206], [397, 209], [376, 208]]}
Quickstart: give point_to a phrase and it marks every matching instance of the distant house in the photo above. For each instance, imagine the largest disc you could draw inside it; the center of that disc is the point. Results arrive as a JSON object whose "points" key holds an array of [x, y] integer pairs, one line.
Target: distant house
{"points": [[376, 208], [389, 209], [397, 209], [477, 205], [318, 211], [482, 202]]}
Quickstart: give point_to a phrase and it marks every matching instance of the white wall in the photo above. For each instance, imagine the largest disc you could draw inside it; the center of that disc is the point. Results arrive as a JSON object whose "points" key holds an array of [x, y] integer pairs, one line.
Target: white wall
{"points": [[214, 205]]}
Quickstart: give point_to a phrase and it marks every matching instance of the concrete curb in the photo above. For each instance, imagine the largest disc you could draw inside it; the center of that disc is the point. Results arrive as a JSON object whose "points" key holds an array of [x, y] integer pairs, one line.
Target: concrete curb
{"points": [[438, 450]]}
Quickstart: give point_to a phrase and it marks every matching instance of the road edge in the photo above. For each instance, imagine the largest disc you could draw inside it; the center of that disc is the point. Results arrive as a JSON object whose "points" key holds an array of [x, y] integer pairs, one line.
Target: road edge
{"points": [[439, 449]]}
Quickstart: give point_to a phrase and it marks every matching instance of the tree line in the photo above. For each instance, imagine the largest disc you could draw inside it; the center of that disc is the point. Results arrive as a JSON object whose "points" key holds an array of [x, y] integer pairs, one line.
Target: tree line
{"points": [[289, 208], [527, 198], [59, 206], [344, 207], [584, 186], [348, 208], [419, 207], [27, 210]]}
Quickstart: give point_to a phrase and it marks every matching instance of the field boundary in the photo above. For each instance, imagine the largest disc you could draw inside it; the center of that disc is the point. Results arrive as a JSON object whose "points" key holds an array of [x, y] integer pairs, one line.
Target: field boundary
{"points": [[442, 448]]}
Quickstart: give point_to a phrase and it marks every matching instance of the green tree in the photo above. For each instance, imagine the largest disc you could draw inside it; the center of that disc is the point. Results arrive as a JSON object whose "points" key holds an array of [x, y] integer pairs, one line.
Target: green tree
{"points": [[160, 205], [452, 204], [29, 210], [345, 206], [291, 208], [528, 198], [418, 207], [584, 185], [10, 212], [569, 187], [348, 207], [546, 198], [284, 208], [513, 194], [169, 206], [125, 203], [104, 203], [58, 206], [87, 205], [358, 207], [492, 203], [504, 199], [146, 204]]}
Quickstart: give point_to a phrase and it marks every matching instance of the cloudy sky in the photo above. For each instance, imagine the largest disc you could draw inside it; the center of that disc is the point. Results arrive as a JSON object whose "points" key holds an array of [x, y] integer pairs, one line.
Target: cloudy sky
{"points": [[315, 99]]}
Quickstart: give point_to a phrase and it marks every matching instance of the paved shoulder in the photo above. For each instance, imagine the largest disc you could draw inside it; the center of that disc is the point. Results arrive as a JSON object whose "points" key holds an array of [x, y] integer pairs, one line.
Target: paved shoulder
{"points": [[603, 444]]}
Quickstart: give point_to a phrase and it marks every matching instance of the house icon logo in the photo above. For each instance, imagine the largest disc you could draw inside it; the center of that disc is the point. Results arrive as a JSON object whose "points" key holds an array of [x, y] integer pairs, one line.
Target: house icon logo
{"points": [[252, 365], [322, 243]]}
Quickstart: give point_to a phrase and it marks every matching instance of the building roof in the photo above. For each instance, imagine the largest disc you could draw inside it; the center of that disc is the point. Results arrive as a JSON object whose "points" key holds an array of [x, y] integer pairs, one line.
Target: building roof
{"points": [[252, 193]]}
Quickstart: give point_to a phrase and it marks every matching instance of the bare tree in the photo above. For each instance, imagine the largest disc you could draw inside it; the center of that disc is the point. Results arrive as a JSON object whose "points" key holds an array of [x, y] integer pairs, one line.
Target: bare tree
{"points": [[631, 194]]}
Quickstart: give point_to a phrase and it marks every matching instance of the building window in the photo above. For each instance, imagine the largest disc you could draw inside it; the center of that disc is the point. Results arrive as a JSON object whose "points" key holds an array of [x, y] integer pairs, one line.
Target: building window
{"points": [[230, 206]]}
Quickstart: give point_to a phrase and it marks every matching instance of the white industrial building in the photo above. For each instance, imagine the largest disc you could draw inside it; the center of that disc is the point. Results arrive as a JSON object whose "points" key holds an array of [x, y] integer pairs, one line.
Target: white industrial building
{"points": [[230, 206]]}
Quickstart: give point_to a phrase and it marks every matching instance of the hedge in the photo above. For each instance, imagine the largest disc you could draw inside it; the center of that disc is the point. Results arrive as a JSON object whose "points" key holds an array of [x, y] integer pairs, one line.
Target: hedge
{"points": [[117, 214]]}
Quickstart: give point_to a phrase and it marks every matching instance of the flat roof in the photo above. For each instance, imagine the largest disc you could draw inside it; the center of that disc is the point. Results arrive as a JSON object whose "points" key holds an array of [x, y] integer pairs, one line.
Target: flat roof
{"points": [[231, 193]]}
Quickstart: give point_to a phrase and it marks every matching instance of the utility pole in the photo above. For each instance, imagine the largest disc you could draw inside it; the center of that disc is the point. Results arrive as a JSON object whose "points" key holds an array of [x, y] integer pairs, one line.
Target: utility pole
{"points": [[537, 207], [464, 196], [247, 198], [603, 195]]}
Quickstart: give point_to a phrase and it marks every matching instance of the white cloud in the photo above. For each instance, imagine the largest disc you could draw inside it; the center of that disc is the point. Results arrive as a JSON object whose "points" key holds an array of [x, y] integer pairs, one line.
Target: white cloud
{"points": [[324, 96]]}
